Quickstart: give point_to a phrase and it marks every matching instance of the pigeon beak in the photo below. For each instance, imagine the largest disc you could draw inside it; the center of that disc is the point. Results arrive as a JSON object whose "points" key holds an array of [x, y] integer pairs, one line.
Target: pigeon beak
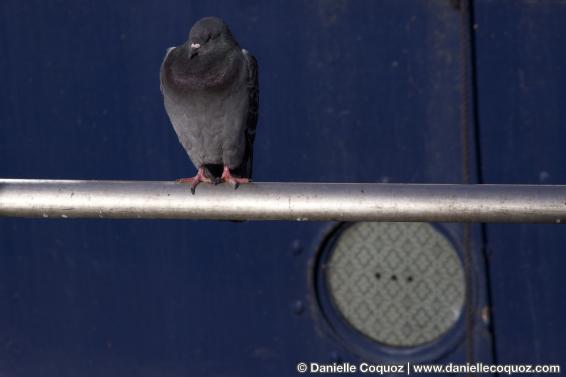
{"points": [[194, 50]]}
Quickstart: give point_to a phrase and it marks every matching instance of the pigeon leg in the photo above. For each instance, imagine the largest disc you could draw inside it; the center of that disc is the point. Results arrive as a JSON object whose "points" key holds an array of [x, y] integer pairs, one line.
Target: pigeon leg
{"points": [[194, 181], [234, 181]]}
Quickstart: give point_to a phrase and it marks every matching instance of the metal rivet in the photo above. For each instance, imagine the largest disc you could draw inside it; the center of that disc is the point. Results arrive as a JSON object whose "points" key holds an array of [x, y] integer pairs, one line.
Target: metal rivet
{"points": [[298, 307]]}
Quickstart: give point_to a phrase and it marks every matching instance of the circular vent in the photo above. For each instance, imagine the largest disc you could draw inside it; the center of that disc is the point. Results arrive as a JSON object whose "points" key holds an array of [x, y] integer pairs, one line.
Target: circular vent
{"points": [[400, 284]]}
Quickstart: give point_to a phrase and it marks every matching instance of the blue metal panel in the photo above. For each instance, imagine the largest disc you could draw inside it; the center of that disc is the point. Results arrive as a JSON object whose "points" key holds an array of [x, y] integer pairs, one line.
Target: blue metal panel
{"points": [[350, 91], [521, 81]]}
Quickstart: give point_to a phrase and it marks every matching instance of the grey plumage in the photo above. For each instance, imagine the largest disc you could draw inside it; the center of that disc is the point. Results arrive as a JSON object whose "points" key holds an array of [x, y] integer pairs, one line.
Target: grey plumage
{"points": [[210, 91]]}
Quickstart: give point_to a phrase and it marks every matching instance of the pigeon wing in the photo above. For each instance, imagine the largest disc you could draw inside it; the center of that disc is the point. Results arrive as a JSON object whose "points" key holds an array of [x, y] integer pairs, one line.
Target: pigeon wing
{"points": [[253, 110]]}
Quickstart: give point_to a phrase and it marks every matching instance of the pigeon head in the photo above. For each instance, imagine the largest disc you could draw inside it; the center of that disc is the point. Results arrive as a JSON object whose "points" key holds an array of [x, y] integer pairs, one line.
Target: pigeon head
{"points": [[210, 36], [208, 59]]}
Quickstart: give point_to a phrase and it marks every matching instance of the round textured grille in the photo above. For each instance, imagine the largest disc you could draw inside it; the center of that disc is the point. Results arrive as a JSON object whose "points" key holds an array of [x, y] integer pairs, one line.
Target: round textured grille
{"points": [[401, 284]]}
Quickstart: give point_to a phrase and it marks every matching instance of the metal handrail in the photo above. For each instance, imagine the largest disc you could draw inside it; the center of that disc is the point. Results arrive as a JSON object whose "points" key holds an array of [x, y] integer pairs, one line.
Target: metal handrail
{"points": [[284, 201]]}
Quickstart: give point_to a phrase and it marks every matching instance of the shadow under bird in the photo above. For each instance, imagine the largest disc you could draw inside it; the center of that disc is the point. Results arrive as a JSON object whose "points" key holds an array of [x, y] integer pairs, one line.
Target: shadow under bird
{"points": [[211, 95]]}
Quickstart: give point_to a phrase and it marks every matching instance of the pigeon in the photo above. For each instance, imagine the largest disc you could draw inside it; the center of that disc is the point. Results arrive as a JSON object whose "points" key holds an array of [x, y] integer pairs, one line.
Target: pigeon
{"points": [[211, 95]]}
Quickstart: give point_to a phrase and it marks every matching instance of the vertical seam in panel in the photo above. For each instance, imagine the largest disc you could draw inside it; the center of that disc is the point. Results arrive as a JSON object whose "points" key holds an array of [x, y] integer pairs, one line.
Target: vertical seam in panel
{"points": [[466, 117], [474, 113], [470, 132]]}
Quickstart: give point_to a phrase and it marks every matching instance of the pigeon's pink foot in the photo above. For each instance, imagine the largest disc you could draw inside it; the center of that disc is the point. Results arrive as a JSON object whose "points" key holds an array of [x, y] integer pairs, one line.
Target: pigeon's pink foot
{"points": [[194, 181], [234, 181]]}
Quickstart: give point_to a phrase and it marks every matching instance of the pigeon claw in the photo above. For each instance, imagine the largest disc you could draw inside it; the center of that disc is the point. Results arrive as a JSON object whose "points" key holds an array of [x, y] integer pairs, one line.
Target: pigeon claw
{"points": [[234, 181], [194, 181]]}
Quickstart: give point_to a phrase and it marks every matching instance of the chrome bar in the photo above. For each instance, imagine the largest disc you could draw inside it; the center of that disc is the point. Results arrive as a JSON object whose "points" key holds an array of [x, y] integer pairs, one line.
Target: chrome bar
{"points": [[283, 201]]}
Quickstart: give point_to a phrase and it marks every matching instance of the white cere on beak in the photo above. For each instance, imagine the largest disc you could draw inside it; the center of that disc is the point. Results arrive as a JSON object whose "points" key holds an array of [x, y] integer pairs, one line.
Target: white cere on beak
{"points": [[195, 45]]}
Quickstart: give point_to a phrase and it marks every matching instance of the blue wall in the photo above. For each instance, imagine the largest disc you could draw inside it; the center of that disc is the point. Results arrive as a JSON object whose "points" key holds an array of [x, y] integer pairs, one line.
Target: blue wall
{"points": [[350, 91], [522, 113]]}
